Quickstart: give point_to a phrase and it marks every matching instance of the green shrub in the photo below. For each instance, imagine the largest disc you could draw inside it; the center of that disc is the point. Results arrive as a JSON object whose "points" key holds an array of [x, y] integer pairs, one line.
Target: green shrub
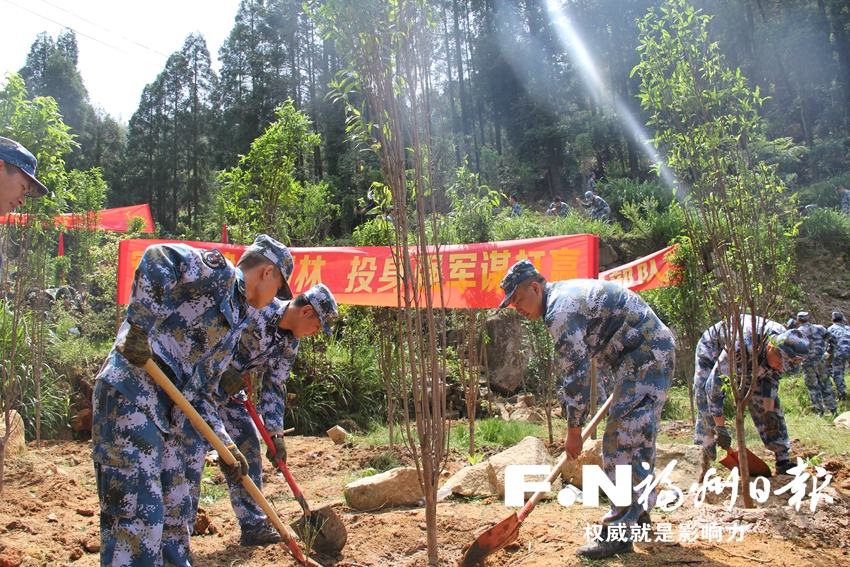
{"points": [[827, 228], [620, 192]]}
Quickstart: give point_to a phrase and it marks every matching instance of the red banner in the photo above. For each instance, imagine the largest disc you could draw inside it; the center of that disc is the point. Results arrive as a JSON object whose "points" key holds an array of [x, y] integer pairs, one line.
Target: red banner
{"points": [[644, 273], [367, 275], [112, 220]]}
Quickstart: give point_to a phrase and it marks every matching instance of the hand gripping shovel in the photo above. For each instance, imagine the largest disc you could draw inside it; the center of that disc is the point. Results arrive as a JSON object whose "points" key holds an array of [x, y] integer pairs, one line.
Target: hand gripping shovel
{"points": [[288, 543], [507, 530], [322, 526]]}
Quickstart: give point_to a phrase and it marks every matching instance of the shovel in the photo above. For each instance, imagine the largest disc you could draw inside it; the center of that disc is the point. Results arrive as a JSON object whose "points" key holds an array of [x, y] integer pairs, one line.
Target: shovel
{"points": [[507, 530], [322, 527], [288, 543], [757, 466]]}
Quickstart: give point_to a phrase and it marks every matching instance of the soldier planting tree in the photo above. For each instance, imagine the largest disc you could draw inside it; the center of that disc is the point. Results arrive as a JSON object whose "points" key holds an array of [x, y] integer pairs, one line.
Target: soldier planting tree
{"points": [[589, 319]]}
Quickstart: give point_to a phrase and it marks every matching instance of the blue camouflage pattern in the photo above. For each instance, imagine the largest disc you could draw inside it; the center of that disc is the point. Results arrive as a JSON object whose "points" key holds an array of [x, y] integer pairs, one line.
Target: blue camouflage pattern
{"points": [[266, 349], [710, 397], [14, 153], [845, 203], [599, 209], [592, 319], [324, 304], [184, 299], [839, 346], [817, 379]]}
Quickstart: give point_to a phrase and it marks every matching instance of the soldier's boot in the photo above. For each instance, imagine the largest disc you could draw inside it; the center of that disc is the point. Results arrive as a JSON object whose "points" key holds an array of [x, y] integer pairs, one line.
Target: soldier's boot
{"points": [[782, 467], [705, 465], [602, 549], [260, 534]]}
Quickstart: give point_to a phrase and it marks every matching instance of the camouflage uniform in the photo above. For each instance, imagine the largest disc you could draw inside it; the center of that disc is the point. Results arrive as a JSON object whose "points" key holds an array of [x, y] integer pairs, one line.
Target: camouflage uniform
{"points": [[263, 347], [767, 387], [705, 357], [587, 319], [599, 209], [840, 349], [814, 368], [845, 203], [182, 298]]}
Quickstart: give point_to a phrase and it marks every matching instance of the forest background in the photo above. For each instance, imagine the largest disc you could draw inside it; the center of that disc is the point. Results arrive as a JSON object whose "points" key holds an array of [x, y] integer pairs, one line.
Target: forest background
{"points": [[523, 103]]}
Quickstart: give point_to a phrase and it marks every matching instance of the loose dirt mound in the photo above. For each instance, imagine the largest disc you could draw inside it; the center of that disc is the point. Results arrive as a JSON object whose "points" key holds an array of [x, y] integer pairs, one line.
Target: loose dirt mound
{"points": [[48, 517]]}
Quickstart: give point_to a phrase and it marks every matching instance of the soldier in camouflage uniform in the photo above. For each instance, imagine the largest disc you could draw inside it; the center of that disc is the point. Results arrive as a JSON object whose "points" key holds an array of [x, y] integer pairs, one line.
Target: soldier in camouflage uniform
{"points": [[599, 209], [185, 305], [17, 178], [839, 347], [845, 200], [268, 345], [814, 366], [587, 319], [781, 352]]}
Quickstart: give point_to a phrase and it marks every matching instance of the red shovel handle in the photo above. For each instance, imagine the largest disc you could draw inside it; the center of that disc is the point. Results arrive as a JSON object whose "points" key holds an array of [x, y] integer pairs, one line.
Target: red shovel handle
{"points": [[252, 411]]}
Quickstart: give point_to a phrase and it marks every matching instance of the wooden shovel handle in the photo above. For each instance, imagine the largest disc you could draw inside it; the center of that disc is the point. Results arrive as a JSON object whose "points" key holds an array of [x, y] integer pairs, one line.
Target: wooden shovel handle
{"points": [[223, 453], [585, 433]]}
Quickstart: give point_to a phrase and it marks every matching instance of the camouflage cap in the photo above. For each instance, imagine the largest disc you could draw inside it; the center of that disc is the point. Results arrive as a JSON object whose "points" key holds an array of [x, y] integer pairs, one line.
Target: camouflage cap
{"points": [[13, 153], [518, 273], [792, 322], [793, 346], [837, 316], [279, 255], [324, 305], [803, 316]]}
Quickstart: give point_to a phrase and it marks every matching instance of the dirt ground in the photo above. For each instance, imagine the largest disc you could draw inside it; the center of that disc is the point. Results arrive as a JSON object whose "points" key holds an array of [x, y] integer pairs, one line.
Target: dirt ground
{"points": [[48, 516]]}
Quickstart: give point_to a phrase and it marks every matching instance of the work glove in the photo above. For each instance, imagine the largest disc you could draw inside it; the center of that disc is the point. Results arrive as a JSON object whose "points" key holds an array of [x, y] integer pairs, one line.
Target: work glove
{"points": [[771, 423], [238, 469], [279, 453], [232, 382], [721, 434], [135, 346]]}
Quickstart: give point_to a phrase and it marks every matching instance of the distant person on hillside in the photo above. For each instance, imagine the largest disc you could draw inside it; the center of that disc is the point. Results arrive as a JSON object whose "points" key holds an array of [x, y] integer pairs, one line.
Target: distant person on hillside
{"points": [[839, 347], [845, 199], [591, 182], [17, 178], [814, 365], [556, 207], [599, 209], [516, 210]]}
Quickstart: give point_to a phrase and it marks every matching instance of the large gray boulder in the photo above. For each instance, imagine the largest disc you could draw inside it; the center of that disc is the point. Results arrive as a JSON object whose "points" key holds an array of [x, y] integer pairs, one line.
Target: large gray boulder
{"points": [[529, 451], [527, 415], [471, 481], [396, 487], [504, 358]]}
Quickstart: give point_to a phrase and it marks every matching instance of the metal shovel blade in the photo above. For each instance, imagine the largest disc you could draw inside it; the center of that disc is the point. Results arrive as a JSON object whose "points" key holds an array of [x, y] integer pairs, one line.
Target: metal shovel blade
{"points": [[756, 465], [491, 541], [324, 528]]}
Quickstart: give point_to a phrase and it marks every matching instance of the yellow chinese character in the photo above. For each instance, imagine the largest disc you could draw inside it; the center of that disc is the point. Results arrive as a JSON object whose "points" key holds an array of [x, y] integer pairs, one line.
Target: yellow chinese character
{"points": [[564, 264], [494, 268], [462, 270], [310, 274], [361, 275]]}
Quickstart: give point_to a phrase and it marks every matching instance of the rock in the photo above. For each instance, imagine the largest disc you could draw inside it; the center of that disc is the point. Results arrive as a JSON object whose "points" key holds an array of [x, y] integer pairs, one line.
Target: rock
{"points": [[348, 424], [590, 455], [688, 463], [60, 471], [16, 443], [843, 420], [30, 561], [76, 553], [10, 559], [528, 400], [337, 434], [504, 357], [471, 481], [527, 415], [396, 487], [503, 411], [92, 545], [607, 255], [85, 512], [52, 518], [529, 451]]}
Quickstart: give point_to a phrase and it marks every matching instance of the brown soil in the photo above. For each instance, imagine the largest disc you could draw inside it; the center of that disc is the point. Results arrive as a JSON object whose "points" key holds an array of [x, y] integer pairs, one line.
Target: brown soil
{"points": [[48, 516]]}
